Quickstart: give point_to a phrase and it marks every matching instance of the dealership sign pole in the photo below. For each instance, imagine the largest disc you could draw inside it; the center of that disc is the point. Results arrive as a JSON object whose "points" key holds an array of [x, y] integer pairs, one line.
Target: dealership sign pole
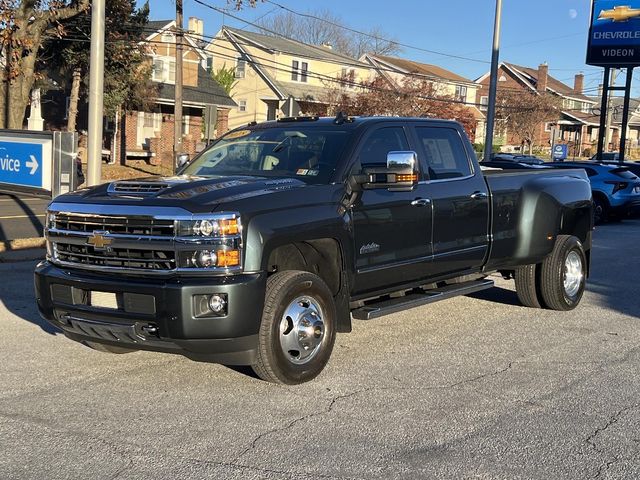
{"points": [[614, 42]]}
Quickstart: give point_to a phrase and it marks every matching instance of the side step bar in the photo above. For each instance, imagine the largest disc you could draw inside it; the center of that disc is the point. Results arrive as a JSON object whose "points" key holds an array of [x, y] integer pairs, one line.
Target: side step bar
{"points": [[412, 300]]}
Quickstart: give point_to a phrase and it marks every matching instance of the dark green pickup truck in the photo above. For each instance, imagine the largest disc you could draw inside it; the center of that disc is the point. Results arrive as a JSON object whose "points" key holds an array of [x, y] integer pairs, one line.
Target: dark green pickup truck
{"points": [[278, 235]]}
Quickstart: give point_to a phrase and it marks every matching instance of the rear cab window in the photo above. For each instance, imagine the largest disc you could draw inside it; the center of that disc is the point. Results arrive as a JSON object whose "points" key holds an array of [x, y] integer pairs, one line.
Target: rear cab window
{"points": [[444, 153]]}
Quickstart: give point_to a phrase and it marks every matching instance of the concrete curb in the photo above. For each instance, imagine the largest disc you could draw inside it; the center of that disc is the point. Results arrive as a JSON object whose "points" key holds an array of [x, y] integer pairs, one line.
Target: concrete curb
{"points": [[22, 250], [21, 244]]}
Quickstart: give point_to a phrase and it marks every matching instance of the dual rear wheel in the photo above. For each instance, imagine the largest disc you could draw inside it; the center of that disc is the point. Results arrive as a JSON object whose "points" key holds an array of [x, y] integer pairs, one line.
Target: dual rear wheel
{"points": [[558, 282]]}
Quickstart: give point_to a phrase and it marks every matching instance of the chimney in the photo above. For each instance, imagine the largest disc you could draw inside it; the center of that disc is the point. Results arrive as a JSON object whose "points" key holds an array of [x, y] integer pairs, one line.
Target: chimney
{"points": [[197, 27], [578, 84], [543, 77]]}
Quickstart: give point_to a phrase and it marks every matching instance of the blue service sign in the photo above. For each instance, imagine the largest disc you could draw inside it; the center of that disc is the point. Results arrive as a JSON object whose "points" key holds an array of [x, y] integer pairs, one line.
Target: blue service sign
{"points": [[560, 152], [23, 163], [614, 35]]}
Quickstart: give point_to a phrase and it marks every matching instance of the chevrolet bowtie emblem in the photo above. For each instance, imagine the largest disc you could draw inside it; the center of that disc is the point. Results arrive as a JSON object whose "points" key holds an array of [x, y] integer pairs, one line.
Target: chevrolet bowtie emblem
{"points": [[99, 241]]}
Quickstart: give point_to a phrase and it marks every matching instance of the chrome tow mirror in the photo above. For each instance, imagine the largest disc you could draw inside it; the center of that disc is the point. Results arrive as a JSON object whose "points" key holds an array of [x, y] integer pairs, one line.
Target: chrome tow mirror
{"points": [[400, 174]]}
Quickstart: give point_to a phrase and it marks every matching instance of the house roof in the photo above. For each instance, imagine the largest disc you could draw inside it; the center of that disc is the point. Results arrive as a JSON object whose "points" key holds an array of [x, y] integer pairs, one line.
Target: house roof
{"points": [[617, 104], [293, 47], [531, 76], [208, 92], [410, 66], [158, 24]]}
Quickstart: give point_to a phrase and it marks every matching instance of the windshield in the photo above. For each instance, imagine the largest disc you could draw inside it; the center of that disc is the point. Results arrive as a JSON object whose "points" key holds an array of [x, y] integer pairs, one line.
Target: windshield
{"points": [[310, 154]]}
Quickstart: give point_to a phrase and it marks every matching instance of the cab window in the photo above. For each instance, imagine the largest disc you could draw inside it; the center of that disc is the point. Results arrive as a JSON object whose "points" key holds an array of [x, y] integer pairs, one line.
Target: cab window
{"points": [[444, 153], [382, 141]]}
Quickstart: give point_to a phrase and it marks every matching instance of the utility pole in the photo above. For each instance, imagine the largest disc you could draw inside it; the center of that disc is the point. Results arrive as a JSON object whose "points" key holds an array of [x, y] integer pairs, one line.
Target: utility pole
{"points": [[493, 85], [177, 117], [612, 83], [96, 93]]}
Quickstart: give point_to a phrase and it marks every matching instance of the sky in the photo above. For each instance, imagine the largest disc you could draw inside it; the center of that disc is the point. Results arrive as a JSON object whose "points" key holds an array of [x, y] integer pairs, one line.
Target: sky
{"points": [[533, 31]]}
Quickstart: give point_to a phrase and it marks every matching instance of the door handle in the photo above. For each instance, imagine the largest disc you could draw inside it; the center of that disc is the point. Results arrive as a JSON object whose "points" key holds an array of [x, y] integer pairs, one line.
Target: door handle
{"points": [[478, 195], [421, 202]]}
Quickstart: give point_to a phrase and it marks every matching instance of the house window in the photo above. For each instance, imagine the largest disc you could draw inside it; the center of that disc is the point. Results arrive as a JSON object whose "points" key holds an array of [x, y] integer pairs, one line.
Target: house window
{"points": [[241, 66], [164, 70], [209, 64], [484, 103], [461, 93], [172, 71], [242, 105], [185, 124], [148, 120], [348, 78], [547, 126], [158, 68], [167, 37], [299, 71]]}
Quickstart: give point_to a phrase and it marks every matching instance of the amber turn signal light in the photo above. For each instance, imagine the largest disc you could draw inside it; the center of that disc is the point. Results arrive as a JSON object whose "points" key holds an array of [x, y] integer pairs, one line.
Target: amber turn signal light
{"points": [[229, 227], [228, 258]]}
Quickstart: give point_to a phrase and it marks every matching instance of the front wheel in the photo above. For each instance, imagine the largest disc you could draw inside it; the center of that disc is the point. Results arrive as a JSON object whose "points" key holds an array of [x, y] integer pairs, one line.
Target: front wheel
{"points": [[563, 274], [600, 211], [297, 331]]}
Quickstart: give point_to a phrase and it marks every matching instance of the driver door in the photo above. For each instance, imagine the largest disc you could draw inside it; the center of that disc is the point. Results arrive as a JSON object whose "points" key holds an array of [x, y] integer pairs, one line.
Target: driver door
{"points": [[392, 230]]}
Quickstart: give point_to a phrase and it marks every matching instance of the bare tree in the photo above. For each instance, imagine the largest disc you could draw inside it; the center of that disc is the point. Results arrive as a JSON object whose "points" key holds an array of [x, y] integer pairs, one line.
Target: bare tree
{"points": [[524, 114], [412, 98], [323, 27], [25, 24]]}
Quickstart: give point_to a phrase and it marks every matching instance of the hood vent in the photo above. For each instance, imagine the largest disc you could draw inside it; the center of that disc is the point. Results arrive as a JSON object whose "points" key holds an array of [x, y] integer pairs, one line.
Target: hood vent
{"points": [[138, 189]]}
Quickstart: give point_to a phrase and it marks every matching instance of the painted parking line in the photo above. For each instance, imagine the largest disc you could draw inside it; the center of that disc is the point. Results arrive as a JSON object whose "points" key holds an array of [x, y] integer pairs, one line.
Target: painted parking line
{"points": [[12, 217]]}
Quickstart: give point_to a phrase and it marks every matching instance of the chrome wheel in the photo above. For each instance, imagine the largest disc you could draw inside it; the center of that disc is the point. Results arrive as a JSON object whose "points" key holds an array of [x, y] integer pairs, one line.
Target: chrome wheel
{"points": [[573, 273], [302, 330]]}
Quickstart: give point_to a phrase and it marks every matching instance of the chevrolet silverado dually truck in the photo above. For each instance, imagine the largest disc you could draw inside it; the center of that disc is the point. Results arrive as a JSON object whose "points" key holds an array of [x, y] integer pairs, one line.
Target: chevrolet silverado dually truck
{"points": [[280, 234]]}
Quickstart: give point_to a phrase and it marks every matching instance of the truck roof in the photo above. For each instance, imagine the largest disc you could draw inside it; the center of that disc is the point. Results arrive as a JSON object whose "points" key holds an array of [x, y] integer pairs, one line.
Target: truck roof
{"points": [[344, 121]]}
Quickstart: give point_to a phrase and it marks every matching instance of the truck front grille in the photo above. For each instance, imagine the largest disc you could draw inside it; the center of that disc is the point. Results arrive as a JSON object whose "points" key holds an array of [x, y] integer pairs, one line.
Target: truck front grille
{"points": [[118, 225], [116, 257]]}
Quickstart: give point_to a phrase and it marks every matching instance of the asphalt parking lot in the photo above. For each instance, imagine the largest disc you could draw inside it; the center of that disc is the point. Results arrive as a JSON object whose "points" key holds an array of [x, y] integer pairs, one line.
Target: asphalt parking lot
{"points": [[475, 387]]}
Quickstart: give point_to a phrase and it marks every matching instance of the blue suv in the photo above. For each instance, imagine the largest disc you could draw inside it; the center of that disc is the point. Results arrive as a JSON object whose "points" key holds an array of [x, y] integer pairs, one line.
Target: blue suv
{"points": [[616, 190]]}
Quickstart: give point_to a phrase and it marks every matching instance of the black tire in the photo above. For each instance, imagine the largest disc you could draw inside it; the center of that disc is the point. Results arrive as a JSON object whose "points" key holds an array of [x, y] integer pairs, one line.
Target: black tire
{"points": [[101, 347], [526, 285], [600, 210], [273, 363], [553, 273]]}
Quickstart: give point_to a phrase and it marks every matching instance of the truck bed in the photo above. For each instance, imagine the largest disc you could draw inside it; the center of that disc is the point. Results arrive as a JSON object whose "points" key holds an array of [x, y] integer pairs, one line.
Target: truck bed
{"points": [[525, 209]]}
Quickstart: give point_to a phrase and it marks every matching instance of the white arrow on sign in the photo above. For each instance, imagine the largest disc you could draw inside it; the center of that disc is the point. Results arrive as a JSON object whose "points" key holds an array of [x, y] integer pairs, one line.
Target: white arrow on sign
{"points": [[32, 163]]}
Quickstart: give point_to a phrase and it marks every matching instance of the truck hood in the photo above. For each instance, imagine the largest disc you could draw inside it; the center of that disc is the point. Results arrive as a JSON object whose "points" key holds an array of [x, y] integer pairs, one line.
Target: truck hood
{"points": [[203, 191]]}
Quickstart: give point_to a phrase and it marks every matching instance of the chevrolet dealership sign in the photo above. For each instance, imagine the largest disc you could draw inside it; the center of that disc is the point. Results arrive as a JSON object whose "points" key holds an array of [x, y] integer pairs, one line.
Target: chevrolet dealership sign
{"points": [[614, 36]]}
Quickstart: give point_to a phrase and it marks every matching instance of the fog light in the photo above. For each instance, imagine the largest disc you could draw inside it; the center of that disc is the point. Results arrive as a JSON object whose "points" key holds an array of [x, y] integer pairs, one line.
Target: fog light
{"points": [[217, 304], [210, 306]]}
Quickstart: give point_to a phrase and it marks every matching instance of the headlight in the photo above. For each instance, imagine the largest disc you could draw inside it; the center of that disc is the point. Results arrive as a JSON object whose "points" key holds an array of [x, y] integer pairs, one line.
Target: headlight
{"points": [[222, 226], [210, 242], [209, 258]]}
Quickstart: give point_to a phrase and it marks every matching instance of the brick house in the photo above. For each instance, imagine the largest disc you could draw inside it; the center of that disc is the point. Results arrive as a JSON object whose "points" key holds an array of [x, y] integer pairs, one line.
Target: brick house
{"points": [[445, 82], [576, 124], [149, 134]]}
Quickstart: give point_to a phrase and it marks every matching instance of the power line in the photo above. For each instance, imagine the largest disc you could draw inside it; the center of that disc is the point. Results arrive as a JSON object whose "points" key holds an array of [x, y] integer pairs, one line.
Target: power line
{"points": [[370, 35]]}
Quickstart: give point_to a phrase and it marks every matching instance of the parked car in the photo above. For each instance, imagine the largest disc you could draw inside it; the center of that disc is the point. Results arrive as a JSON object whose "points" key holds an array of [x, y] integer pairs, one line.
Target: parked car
{"points": [[634, 167], [508, 157], [508, 161], [606, 157], [272, 239], [616, 190]]}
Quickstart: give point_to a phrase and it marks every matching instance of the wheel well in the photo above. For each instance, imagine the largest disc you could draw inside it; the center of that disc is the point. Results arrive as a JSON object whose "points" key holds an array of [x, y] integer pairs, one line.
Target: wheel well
{"points": [[601, 196], [322, 257]]}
